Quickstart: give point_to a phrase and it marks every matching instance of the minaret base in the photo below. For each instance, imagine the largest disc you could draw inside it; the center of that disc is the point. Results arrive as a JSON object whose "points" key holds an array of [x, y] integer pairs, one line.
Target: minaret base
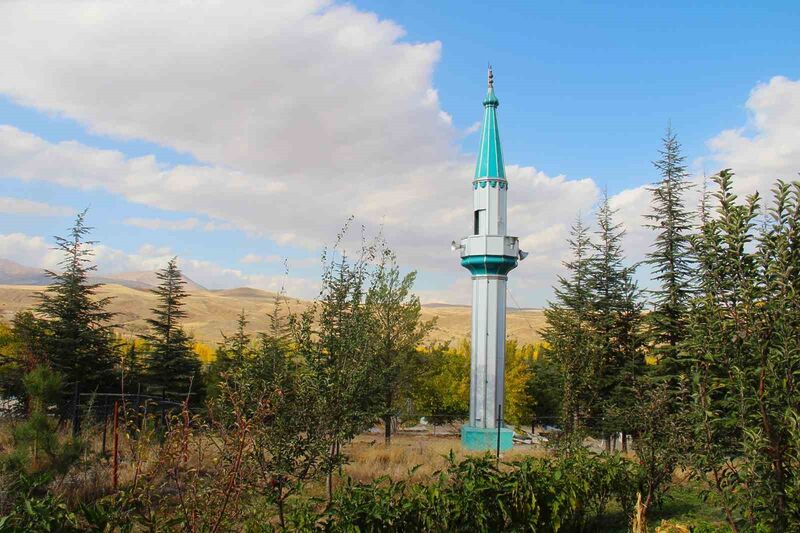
{"points": [[485, 439]]}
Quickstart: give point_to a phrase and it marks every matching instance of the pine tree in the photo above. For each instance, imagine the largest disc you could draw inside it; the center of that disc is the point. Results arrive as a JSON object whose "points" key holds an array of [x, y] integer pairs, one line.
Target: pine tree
{"points": [[615, 313], [230, 354], [568, 331], [78, 339], [670, 258], [172, 365]]}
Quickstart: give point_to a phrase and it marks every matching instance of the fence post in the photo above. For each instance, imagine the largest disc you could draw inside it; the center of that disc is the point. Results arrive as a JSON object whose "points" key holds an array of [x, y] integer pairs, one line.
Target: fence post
{"points": [[105, 423], [116, 444], [499, 424], [76, 418]]}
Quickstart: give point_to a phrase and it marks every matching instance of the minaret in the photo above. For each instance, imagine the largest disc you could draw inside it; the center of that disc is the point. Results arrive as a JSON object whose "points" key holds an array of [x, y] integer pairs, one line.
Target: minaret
{"points": [[489, 254]]}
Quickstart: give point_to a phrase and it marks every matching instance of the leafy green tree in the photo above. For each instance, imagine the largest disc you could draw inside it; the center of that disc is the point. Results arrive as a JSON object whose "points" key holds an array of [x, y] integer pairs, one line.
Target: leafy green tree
{"points": [[744, 344], [568, 334], [78, 339], [335, 340], [398, 331], [171, 363], [545, 386], [286, 446], [441, 391], [670, 257]]}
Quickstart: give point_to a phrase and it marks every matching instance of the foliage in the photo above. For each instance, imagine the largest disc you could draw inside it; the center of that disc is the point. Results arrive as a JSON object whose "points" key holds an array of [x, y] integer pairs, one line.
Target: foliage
{"points": [[171, 363], [335, 342], [659, 440], [615, 314], [670, 259], [32, 511], [544, 385], [568, 332], [76, 335], [566, 493], [744, 344], [37, 447], [441, 392], [397, 332], [285, 446]]}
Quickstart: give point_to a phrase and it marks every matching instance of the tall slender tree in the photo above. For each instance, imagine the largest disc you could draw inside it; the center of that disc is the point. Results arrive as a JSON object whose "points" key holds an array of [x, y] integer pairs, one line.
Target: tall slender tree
{"points": [[568, 332], [399, 330], [335, 341], [615, 314], [670, 257], [78, 337], [171, 365]]}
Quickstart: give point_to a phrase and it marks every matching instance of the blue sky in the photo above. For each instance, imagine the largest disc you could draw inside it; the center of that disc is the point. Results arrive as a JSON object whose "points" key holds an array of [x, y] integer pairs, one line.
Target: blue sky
{"points": [[270, 125], [587, 88]]}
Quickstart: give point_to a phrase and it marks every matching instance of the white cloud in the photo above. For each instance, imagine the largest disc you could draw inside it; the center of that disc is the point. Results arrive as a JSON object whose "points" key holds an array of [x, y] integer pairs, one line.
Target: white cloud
{"points": [[266, 87], [35, 251], [162, 224], [253, 259], [28, 250], [21, 206], [303, 113], [473, 128], [768, 147]]}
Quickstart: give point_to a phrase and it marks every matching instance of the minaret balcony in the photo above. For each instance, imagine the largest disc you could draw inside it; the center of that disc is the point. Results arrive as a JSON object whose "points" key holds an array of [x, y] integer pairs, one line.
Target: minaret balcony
{"points": [[490, 245], [489, 255]]}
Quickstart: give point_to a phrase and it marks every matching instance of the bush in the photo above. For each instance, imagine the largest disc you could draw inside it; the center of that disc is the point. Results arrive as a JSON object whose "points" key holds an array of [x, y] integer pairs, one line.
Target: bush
{"points": [[567, 493]]}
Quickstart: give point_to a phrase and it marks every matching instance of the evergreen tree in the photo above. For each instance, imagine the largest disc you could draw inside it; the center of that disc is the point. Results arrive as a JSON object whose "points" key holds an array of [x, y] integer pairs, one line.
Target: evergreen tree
{"points": [[670, 258], [78, 337], [171, 365], [568, 332], [132, 369], [615, 316], [398, 332], [230, 354]]}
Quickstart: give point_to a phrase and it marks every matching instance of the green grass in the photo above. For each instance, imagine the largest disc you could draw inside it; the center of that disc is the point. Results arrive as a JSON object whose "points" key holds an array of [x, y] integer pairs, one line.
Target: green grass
{"points": [[684, 505]]}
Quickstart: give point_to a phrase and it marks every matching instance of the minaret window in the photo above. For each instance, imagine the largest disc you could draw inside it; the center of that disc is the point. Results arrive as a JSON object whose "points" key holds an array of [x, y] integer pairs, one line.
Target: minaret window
{"points": [[480, 222]]}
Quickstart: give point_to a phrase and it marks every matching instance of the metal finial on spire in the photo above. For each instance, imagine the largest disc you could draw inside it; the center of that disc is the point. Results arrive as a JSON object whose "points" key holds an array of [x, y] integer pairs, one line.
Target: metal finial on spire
{"points": [[491, 77]]}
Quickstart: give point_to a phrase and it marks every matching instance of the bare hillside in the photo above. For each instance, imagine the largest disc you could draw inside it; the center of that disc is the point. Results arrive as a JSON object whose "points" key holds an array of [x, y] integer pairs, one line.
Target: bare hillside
{"points": [[212, 312]]}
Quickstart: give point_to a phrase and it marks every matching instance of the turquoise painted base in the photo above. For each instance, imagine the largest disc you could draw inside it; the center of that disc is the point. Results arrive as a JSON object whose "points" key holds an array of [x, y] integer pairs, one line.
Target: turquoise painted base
{"points": [[482, 439]]}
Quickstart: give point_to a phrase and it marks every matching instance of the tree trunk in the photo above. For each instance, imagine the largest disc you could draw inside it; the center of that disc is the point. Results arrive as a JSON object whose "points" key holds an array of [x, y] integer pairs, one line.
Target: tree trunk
{"points": [[624, 442], [281, 516], [387, 430], [329, 479]]}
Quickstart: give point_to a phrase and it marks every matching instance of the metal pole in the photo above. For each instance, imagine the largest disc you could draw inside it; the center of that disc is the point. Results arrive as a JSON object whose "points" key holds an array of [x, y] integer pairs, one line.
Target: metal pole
{"points": [[499, 422], [105, 423], [116, 444], [76, 418]]}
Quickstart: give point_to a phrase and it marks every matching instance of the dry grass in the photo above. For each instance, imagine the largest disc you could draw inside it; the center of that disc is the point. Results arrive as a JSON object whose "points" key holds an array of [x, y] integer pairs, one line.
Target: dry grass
{"points": [[370, 458]]}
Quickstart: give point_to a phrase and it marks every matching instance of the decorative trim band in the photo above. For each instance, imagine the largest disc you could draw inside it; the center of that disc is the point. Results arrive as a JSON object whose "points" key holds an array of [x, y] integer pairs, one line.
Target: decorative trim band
{"points": [[489, 265], [503, 184]]}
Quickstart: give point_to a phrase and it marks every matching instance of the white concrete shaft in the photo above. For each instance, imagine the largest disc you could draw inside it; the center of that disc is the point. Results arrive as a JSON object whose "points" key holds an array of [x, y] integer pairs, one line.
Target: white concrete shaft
{"points": [[487, 373]]}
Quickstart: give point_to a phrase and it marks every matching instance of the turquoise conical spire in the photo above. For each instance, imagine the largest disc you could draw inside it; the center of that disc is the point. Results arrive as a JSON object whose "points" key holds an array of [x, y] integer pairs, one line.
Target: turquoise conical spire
{"points": [[490, 157]]}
